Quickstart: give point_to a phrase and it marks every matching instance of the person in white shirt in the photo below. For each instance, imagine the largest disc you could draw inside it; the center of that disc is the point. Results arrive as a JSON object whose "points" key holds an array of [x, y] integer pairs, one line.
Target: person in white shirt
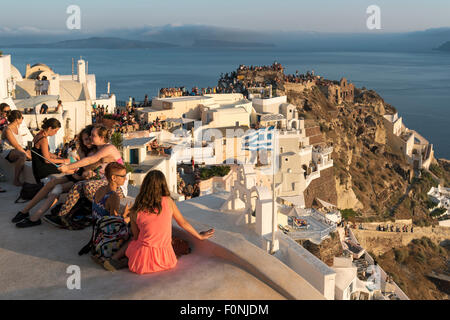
{"points": [[44, 86]]}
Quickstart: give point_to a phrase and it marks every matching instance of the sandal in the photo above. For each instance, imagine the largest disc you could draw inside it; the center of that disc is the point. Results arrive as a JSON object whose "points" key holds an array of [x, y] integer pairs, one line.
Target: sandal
{"points": [[2, 190]]}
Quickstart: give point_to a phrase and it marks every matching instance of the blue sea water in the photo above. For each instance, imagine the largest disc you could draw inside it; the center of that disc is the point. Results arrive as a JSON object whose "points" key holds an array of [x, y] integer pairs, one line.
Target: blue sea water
{"points": [[417, 84]]}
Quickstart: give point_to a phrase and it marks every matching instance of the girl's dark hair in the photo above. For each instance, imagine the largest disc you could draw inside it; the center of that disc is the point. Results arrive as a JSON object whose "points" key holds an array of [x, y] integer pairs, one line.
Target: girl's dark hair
{"points": [[14, 115], [103, 132], [112, 168], [3, 106], [153, 188], [51, 123], [83, 147]]}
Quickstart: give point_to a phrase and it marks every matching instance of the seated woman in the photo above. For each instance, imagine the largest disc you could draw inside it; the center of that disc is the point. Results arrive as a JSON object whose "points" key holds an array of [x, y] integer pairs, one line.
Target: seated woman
{"points": [[42, 168], [105, 154], [5, 109], [12, 145], [151, 249], [57, 185]]}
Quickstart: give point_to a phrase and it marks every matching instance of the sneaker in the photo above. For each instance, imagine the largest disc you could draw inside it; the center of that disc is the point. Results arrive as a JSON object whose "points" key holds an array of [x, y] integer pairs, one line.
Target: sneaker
{"points": [[53, 220], [26, 223], [114, 265], [19, 217]]}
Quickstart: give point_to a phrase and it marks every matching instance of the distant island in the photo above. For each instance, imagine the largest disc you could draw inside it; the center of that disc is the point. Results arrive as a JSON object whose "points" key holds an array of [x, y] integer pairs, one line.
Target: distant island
{"points": [[229, 44], [98, 43], [444, 47]]}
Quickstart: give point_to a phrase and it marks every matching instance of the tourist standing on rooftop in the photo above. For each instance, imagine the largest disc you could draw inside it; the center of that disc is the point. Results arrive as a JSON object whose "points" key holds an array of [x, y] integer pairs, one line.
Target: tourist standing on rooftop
{"points": [[44, 85], [37, 86]]}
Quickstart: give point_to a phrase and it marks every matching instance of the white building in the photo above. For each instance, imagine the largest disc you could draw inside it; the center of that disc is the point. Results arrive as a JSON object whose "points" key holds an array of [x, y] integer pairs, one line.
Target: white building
{"points": [[441, 197], [417, 150], [77, 92]]}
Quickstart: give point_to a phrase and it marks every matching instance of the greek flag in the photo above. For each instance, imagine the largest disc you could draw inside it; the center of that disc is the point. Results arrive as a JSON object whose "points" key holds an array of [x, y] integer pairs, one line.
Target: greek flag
{"points": [[260, 139]]}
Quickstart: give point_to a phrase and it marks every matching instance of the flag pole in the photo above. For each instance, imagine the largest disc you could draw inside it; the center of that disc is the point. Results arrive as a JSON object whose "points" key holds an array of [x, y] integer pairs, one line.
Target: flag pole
{"points": [[272, 249]]}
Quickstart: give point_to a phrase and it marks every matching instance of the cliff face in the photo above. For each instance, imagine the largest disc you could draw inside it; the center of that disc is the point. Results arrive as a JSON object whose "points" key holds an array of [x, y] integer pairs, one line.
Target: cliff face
{"points": [[411, 265], [366, 172], [367, 176]]}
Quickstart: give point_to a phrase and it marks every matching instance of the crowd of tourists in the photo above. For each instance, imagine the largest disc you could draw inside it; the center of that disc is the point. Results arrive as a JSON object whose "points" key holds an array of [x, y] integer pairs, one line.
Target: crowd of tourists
{"points": [[300, 78], [274, 67], [391, 228], [183, 92], [95, 180]]}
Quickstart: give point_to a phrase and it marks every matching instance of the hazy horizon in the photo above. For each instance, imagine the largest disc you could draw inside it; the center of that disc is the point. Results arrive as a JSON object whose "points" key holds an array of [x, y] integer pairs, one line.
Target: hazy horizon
{"points": [[49, 17]]}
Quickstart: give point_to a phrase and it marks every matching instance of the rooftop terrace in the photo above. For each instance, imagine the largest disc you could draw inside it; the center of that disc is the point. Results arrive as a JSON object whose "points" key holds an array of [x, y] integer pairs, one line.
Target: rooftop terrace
{"points": [[33, 263]]}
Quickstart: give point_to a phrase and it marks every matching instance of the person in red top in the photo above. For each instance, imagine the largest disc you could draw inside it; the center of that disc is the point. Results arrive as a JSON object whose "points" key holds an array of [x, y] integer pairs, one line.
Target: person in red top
{"points": [[150, 249]]}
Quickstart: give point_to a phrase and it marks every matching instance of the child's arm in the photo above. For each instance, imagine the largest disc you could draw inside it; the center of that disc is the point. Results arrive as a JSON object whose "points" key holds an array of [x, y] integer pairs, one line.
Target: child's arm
{"points": [[134, 227], [113, 204], [114, 207], [182, 222]]}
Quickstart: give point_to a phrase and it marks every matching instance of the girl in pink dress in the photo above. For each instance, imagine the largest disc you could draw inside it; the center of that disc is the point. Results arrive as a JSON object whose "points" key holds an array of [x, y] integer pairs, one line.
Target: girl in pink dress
{"points": [[151, 250]]}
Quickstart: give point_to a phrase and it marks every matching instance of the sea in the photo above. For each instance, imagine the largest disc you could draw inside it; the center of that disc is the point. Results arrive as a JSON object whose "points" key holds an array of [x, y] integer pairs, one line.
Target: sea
{"points": [[417, 84]]}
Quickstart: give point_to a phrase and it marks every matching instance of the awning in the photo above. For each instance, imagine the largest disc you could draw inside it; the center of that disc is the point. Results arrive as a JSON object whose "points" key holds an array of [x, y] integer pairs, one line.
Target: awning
{"points": [[137, 142], [272, 117], [326, 204], [180, 120], [34, 101], [297, 201]]}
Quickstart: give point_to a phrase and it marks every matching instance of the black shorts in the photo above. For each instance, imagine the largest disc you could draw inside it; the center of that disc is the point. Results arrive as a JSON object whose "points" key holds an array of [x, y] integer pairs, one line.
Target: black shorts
{"points": [[71, 178], [7, 157]]}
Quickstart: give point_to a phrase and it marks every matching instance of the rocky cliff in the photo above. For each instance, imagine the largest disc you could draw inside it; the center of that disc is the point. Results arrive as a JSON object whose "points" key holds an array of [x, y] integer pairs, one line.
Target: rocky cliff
{"points": [[369, 177]]}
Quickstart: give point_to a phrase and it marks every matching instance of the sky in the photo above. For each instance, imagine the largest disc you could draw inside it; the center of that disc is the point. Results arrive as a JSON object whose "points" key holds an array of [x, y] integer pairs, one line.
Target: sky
{"points": [[258, 15]]}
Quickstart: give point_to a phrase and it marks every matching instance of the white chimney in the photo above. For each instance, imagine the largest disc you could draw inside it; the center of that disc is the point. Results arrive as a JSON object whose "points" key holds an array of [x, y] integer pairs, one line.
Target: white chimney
{"points": [[81, 69]]}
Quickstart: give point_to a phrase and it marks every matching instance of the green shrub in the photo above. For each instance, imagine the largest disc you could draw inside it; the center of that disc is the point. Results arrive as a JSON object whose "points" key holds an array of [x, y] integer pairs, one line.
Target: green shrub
{"points": [[347, 213], [420, 257], [400, 255], [129, 167], [437, 212], [430, 204], [436, 169], [214, 171], [117, 140]]}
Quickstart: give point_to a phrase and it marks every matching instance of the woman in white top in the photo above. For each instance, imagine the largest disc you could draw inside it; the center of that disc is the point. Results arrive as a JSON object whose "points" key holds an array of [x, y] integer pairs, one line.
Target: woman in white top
{"points": [[44, 86], [12, 145]]}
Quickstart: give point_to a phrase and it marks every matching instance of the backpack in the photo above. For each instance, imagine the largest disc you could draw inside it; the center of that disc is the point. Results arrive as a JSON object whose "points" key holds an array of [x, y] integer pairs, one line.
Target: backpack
{"points": [[80, 216], [28, 191], [108, 235], [180, 246]]}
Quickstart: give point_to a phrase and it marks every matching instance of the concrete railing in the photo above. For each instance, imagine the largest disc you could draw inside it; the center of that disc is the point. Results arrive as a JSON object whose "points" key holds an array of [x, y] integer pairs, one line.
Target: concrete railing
{"points": [[307, 265], [236, 249]]}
